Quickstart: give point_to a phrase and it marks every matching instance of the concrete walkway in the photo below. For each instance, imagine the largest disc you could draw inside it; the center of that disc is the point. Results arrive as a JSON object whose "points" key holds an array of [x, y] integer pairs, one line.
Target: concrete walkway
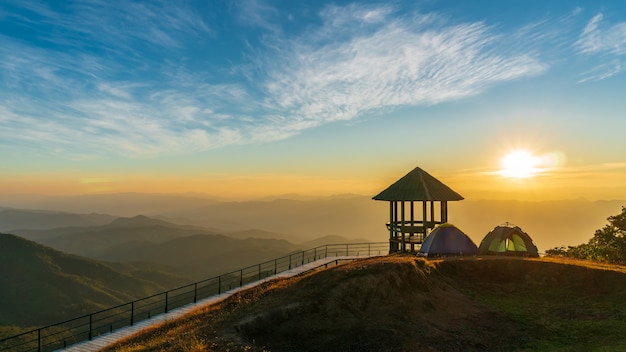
{"points": [[106, 339]]}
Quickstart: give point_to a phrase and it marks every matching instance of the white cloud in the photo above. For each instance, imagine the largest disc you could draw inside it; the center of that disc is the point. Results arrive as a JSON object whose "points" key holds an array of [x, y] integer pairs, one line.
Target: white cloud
{"points": [[337, 16], [257, 13], [406, 61], [605, 41]]}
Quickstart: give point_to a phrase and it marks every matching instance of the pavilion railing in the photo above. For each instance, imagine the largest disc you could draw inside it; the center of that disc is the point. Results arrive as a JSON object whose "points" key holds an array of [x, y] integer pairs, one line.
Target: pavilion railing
{"points": [[63, 334]]}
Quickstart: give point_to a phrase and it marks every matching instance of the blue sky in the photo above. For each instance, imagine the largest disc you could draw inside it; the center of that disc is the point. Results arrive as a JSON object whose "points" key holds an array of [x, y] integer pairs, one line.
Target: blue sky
{"points": [[341, 95]]}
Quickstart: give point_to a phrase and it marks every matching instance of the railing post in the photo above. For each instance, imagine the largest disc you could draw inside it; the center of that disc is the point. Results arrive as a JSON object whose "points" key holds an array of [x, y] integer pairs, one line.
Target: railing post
{"points": [[195, 292], [259, 271], [275, 266], [240, 277], [315, 254], [166, 301], [302, 258], [132, 313], [219, 284], [347, 249], [38, 340], [326, 251], [289, 261], [90, 325]]}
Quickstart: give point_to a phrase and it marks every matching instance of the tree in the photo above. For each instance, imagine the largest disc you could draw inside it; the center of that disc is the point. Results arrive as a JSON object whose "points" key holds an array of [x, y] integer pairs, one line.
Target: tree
{"points": [[608, 244]]}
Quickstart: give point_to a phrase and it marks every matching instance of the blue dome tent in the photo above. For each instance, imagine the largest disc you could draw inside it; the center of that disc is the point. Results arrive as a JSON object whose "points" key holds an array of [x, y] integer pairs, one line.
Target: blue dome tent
{"points": [[447, 240]]}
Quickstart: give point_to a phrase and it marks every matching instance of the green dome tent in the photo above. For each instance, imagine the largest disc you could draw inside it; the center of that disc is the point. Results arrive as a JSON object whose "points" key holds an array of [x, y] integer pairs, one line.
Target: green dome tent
{"points": [[508, 240], [447, 239]]}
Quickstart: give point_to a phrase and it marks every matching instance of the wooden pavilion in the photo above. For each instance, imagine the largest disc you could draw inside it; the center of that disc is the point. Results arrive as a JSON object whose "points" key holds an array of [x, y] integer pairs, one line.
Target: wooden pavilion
{"points": [[408, 227]]}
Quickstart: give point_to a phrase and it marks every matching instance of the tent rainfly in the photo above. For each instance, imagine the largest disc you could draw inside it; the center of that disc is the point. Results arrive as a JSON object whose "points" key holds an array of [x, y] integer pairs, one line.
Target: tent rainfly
{"points": [[508, 239], [446, 240], [410, 226]]}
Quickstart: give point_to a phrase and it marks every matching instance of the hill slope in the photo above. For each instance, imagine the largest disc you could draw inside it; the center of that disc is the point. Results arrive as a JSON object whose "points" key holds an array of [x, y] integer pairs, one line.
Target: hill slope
{"points": [[40, 285], [11, 219], [184, 250], [408, 304], [202, 256], [98, 241]]}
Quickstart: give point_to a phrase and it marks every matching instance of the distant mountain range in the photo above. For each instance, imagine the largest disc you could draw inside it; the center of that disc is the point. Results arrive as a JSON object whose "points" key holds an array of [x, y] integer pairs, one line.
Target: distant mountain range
{"points": [[184, 250], [118, 204], [349, 216], [40, 285], [11, 219], [98, 241], [302, 219], [549, 223]]}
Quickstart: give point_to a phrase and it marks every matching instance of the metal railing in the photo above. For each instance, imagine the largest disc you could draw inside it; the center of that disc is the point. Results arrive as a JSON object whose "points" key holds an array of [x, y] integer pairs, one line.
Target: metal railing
{"points": [[89, 326]]}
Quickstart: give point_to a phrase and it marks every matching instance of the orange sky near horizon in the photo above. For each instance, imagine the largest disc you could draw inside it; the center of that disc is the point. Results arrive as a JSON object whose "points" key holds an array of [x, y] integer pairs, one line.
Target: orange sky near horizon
{"points": [[603, 182]]}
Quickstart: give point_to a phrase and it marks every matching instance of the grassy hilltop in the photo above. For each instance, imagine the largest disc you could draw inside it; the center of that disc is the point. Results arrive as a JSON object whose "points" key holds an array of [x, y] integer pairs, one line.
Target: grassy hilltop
{"points": [[401, 303]]}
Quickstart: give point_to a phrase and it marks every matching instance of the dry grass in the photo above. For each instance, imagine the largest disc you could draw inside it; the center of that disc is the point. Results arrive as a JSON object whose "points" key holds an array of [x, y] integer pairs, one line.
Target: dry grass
{"points": [[401, 303]]}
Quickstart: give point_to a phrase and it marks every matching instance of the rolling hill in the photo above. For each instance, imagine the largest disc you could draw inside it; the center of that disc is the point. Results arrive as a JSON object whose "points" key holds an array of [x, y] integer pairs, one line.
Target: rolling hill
{"points": [[203, 256], [40, 285], [184, 250], [403, 303], [97, 241], [11, 219]]}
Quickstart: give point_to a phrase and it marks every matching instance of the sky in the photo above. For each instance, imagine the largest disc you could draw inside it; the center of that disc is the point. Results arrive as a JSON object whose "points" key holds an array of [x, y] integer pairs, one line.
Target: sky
{"points": [[250, 98]]}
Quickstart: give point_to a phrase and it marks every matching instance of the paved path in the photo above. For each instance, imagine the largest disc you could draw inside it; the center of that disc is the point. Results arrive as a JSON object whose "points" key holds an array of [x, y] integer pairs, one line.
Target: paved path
{"points": [[109, 338]]}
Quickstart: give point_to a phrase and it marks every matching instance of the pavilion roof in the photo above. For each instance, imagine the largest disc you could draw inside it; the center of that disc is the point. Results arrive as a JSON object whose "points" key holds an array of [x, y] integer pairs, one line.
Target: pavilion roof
{"points": [[418, 185]]}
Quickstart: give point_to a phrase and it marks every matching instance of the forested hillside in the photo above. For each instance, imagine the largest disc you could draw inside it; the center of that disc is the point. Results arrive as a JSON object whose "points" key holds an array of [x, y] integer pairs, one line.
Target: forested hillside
{"points": [[40, 285]]}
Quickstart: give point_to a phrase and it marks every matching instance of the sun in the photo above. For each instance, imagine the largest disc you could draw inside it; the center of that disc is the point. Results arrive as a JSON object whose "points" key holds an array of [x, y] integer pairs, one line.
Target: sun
{"points": [[519, 164]]}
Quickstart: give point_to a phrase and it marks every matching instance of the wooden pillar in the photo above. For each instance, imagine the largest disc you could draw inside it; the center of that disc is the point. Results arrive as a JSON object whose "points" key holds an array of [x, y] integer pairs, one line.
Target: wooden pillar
{"points": [[391, 227], [424, 218], [412, 224], [444, 211], [395, 225], [403, 248], [432, 213]]}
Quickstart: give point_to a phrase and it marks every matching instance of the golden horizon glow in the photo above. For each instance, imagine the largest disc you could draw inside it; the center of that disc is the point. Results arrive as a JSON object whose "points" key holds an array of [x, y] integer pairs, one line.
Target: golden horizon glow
{"points": [[553, 181]]}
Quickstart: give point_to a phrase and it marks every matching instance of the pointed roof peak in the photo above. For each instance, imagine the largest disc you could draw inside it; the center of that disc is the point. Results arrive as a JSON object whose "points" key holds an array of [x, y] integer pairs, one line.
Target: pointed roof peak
{"points": [[418, 185]]}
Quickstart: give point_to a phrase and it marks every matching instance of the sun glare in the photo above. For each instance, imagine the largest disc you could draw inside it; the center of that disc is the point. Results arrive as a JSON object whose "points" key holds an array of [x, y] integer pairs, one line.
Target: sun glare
{"points": [[519, 164]]}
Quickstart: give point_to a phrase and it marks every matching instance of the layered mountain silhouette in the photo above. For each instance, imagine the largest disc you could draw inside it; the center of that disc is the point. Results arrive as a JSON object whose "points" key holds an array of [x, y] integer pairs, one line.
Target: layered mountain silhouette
{"points": [[301, 219], [184, 250], [99, 241], [11, 219]]}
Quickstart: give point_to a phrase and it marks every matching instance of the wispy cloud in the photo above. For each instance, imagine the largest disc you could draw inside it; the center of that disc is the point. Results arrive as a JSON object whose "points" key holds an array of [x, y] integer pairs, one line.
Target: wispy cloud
{"points": [[605, 40], [115, 78], [389, 62], [257, 13]]}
